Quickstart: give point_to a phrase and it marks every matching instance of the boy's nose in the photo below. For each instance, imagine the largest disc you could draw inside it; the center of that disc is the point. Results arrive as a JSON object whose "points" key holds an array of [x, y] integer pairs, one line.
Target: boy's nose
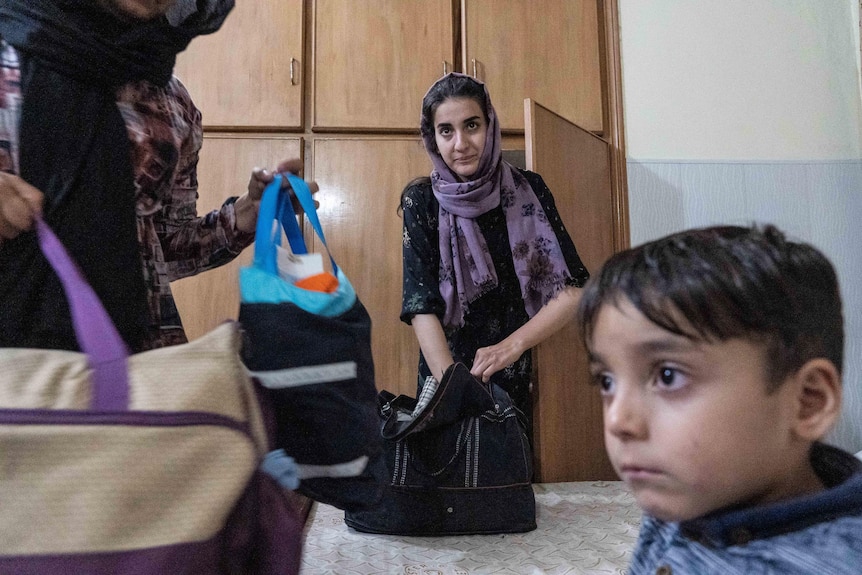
{"points": [[624, 415]]}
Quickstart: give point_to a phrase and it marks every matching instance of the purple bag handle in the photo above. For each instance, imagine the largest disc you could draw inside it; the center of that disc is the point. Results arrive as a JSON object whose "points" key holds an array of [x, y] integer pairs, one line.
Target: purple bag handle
{"points": [[97, 336]]}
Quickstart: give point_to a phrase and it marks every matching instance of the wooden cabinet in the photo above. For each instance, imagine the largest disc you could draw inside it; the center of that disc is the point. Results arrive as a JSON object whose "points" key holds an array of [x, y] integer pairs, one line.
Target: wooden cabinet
{"points": [[249, 73], [547, 51], [226, 161], [361, 180], [373, 61], [370, 63]]}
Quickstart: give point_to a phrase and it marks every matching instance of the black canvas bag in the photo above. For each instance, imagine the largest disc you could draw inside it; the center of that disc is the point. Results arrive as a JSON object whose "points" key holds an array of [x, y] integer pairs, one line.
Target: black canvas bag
{"points": [[460, 463]]}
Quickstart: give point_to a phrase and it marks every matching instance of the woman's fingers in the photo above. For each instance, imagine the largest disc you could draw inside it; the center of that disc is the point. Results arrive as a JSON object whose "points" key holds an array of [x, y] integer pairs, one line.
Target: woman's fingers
{"points": [[20, 203]]}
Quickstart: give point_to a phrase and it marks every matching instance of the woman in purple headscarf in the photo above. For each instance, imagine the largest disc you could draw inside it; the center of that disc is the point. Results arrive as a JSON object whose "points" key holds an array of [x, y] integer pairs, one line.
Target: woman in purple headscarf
{"points": [[489, 269]]}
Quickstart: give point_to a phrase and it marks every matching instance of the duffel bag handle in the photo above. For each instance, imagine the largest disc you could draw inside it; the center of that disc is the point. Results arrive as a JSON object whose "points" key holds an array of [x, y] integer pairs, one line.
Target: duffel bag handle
{"points": [[97, 336], [458, 395]]}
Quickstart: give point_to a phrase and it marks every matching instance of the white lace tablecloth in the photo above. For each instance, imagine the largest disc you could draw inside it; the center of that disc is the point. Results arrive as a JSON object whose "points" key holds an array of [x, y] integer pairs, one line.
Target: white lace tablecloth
{"points": [[583, 527]]}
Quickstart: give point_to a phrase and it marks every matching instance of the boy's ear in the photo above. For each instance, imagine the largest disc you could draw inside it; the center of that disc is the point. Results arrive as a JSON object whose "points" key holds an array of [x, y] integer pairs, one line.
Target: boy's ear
{"points": [[818, 397]]}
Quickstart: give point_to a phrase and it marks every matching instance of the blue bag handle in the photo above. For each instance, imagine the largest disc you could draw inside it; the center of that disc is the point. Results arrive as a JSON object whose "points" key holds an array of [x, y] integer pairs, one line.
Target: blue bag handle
{"points": [[267, 235], [275, 205], [287, 217]]}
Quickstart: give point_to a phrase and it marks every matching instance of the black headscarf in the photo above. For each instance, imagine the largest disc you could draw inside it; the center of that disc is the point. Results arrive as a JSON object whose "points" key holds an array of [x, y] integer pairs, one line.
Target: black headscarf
{"points": [[74, 147]]}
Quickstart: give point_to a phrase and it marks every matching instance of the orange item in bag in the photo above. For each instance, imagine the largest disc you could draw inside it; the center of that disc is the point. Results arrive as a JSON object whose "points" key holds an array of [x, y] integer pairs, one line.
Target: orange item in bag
{"points": [[325, 282]]}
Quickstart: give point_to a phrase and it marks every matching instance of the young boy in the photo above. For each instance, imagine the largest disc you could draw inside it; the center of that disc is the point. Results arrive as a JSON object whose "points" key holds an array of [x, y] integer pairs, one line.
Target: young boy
{"points": [[718, 355]]}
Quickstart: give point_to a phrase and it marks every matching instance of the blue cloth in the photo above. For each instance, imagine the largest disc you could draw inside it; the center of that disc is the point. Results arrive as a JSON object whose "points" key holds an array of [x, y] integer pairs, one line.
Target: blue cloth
{"points": [[281, 467], [261, 286], [816, 534], [261, 283]]}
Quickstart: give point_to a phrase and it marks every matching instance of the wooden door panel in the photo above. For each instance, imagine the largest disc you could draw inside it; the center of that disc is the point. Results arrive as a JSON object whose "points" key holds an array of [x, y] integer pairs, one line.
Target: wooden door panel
{"points": [[241, 75], [373, 62], [211, 297], [575, 164], [360, 187], [548, 51]]}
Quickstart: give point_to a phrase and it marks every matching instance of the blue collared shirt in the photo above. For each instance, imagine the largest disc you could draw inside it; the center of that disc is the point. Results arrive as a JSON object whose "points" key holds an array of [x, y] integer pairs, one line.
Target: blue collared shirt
{"points": [[818, 534]]}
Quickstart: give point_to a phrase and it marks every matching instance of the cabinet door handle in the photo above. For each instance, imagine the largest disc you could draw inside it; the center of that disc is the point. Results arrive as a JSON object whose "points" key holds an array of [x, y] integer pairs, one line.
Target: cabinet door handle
{"points": [[292, 76], [474, 68], [445, 67]]}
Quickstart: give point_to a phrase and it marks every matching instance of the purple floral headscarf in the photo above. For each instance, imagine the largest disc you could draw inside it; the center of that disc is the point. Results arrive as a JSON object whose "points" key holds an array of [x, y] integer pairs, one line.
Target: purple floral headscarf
{"points": [[466, 267]]}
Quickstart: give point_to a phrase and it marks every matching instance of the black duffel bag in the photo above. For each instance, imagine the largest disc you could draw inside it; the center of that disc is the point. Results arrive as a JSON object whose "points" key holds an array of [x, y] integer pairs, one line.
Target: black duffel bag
{"points": [[459, 462]]}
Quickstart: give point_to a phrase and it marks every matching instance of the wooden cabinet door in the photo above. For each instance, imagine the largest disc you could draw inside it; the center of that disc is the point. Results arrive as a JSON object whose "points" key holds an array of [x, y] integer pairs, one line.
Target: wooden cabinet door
{"points": [[373, 61], [226, 161], [360, 188], [548, 51], [249, 73], [568, 433]]}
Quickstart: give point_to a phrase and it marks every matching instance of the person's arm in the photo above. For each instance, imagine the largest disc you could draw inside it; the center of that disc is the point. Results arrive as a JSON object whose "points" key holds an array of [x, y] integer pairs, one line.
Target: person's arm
{"points": [[422, 304], [432, 341], [553, 316], [191, 243], [547, 321]]}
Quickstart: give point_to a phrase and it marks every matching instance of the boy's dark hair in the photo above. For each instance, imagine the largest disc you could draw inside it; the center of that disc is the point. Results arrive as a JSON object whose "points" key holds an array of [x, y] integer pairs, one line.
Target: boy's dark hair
{"points": [[729, 282]]}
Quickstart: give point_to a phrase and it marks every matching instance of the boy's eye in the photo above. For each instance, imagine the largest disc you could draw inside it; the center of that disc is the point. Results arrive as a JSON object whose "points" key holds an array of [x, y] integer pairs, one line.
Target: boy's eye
{"points": [[670, 378], [604, 382], [666, 375]]}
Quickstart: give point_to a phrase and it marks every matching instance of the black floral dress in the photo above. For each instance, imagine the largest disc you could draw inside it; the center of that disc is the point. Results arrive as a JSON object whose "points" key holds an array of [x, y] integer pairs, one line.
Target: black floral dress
{"points": [[497, 313]]}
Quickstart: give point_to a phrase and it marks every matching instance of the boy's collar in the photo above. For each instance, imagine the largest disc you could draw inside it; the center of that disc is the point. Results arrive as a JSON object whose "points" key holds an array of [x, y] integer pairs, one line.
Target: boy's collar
{"points": [[180, 11], [840, 471]]}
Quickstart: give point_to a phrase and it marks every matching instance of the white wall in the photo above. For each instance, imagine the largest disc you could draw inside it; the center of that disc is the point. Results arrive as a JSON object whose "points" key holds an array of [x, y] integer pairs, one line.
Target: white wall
{"points": [[854, 8], [741, 111], [740, 79]]}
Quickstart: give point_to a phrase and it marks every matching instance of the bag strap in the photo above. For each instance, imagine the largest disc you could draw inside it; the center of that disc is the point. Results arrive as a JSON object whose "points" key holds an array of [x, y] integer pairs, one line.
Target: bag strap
{"points": [[97, 336], [267, 234], [287, 217], [276, 205], [458, 396]]}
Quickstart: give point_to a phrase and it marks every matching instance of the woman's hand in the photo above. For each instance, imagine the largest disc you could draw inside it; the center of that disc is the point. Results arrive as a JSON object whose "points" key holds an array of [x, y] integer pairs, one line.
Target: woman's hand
{"points": [[489, 360], [248, 204], [549, 320], [20, 203]]}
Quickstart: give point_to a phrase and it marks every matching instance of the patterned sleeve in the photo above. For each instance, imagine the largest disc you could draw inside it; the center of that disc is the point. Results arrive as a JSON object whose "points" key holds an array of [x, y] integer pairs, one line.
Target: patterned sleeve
{"points": [[421, 254], [192, 244], [579, 272]]}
